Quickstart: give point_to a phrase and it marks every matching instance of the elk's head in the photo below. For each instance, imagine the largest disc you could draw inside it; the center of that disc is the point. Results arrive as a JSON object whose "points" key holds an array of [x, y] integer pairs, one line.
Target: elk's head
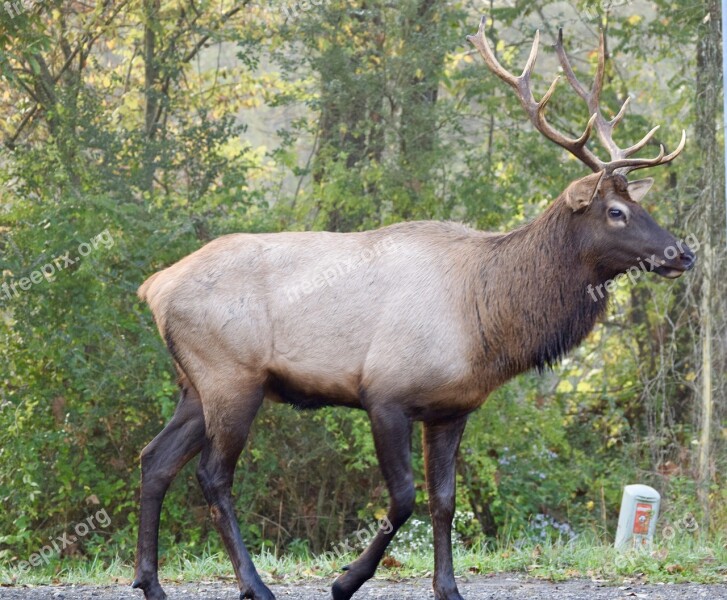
{"points": [[613, 232]]}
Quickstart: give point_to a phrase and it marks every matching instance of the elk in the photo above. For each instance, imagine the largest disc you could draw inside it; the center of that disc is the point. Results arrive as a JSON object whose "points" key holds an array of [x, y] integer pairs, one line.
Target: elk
{"points": [[422, 330]]}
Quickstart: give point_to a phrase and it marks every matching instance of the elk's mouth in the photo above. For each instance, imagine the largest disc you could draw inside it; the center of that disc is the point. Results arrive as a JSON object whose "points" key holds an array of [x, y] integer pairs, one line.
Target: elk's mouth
{"points": [[669, 272], [675, 268]]}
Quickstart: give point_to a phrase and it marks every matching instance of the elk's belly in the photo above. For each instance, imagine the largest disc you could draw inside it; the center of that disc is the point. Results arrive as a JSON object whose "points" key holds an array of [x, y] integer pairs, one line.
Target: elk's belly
{"points": [[309, 390], [427, 384]]}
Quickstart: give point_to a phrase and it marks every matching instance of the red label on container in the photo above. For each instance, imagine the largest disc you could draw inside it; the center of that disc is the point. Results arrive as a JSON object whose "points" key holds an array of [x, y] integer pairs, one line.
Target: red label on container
{"points": [[642, 518]]}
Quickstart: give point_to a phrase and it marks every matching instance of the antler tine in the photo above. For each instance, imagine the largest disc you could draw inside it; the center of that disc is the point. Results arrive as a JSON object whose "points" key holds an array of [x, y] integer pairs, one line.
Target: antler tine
{"points": [[627, 165], [536, 110], [479, 41], [544, 100], [622, 111], [577, 142], [530, 64], [595, 96], [679, 148], [566, 66], [640, 144], [587, 133]]}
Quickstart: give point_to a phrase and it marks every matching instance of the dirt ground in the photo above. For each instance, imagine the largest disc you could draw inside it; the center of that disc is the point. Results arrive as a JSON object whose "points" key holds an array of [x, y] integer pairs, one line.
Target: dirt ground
{"points": [[474, 588]]}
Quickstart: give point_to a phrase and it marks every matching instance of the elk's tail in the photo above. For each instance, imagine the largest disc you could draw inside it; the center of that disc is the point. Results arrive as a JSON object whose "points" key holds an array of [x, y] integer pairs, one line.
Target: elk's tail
{"points": [[143, 290]]}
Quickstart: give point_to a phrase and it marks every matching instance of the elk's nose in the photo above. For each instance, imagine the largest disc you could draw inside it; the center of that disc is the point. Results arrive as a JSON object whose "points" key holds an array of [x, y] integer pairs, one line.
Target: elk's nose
{"points": [[688, 259]]}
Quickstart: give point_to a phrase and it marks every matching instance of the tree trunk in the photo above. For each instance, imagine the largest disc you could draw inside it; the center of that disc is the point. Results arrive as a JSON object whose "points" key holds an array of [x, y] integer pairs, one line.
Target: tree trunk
{"points": [[417, 128], [151, 91], [709, 78]]}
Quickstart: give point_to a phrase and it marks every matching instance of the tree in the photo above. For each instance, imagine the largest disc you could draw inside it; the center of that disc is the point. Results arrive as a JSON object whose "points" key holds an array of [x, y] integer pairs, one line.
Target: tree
{"points": [[710, 205]]}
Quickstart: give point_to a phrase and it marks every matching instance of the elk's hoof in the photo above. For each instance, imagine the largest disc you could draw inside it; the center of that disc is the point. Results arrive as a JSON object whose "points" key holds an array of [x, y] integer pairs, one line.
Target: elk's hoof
{"points": [[347, 584], [447, 594], [340, 591], [262, 593], [152, 589]]}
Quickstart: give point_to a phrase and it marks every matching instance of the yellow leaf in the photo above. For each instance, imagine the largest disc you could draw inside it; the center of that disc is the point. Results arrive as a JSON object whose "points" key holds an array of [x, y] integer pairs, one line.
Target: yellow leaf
{"points": [[634, 20], [565, 386]]}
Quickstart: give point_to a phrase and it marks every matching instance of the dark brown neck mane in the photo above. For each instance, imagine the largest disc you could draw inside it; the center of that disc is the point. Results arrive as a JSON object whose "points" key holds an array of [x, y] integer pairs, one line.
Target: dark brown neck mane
{"points": [[534, 306]]}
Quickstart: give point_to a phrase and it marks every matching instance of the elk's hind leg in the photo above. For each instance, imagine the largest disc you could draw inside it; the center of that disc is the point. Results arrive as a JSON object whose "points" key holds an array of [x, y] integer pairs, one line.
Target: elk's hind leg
{"points": [[441, 442], [228, 423], [391, 429], [161, 460]]}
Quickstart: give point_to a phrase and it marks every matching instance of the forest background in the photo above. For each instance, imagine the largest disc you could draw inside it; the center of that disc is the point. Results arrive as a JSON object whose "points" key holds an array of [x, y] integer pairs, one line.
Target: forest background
{"points": [[135, 131]]}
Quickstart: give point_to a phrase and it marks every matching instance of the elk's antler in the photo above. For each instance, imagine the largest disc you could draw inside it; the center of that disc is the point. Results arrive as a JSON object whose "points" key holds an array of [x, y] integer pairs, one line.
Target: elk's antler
{"points": [[620, 161]]}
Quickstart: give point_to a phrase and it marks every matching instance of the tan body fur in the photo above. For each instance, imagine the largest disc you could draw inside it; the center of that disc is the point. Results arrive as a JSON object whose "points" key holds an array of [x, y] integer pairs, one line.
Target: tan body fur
{"points": [[411, 320]]}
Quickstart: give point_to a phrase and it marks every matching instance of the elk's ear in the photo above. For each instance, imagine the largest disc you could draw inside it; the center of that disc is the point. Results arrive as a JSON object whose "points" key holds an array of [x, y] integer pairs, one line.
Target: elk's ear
{"points": [[638, 189], [580, 193]]}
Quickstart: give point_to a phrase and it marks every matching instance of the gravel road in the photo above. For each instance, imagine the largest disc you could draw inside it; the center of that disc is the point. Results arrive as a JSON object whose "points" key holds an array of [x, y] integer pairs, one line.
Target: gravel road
{"points": [[474, 588]]}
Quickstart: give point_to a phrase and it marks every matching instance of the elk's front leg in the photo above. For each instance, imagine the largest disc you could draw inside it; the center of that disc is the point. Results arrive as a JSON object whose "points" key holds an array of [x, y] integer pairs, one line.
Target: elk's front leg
{"points": [[391, 429], [441, 442]]}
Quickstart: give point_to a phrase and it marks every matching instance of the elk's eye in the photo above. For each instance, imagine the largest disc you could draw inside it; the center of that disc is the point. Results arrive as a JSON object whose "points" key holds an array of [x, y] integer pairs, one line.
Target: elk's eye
{"points": [[615, 213]]}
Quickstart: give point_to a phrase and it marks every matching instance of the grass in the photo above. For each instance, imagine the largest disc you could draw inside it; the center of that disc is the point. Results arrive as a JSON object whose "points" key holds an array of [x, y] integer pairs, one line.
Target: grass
{"points": [[688, 559]]}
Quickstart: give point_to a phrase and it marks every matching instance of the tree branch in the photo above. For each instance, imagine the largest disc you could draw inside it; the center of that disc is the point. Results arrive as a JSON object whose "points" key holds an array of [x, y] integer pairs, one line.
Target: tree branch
{"points": [[192, 53], [86, 39]]}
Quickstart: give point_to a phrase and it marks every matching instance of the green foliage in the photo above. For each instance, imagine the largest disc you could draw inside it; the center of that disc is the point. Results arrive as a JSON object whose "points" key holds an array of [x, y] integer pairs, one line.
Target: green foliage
{"points": [[688, 559], [348, 116]]}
